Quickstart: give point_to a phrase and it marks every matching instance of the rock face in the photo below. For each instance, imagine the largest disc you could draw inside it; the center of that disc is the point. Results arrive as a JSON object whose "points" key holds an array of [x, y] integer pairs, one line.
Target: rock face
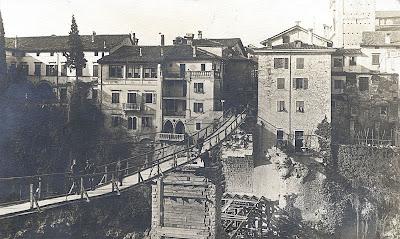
{"points": [[126, 216]]}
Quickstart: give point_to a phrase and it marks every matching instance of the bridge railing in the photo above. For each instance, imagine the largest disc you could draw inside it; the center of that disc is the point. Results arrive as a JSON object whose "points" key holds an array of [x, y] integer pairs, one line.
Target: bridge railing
{"points": [[15, 190]]}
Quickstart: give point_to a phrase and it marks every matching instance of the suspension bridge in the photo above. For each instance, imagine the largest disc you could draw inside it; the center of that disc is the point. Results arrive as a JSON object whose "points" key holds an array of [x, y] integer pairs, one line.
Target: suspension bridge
{"points": [[32, 194]]}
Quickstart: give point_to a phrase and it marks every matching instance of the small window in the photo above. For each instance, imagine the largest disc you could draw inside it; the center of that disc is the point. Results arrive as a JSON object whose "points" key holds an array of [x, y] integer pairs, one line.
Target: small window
{"points": [[64, 69], [280, 63], [116, 71], [279, 136], [384, 110], [96, 53], [198, 107], [337, 62], [115, 97], [338, 84], [363, 83], [281, 106], [150, 72], [280, 83], [198, 126], [299, 63], [333, 104], [115, 120], [133, 72], [199, 88], [132, 98], [95, 70], [147, 122], [51, 53], [300, 83], [38, 69], [300, 106], [150, 98], [353, 61], [203, 67], [51, 69], [375, 59]]}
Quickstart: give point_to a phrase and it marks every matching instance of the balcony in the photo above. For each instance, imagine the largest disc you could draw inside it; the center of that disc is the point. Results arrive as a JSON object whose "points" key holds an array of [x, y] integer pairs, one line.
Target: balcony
{"points": [[170, 137], [131, 106], [203, 74]]}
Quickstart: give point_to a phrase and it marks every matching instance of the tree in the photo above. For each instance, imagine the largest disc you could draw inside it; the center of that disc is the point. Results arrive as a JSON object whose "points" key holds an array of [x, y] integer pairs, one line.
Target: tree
{"points": [[75, 56], [3, 64]]}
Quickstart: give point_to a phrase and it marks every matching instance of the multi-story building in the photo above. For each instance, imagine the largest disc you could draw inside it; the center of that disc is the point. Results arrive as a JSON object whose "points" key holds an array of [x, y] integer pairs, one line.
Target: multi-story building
{"points": [[387, 21], [168, 90], [365, 90], [350, 18], [294, 91], [43, 59]]}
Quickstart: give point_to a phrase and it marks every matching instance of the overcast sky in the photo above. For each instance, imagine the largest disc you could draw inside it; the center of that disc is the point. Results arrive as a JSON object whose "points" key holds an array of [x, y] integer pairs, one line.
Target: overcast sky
{"points": [[251, 20]]}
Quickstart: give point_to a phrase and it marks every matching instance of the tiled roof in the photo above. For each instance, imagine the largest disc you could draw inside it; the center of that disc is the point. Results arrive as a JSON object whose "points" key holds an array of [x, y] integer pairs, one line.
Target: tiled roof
{"points": [[348, 52], [387, 14], [292, 46], [378, 38], [60, 43], [153, 54], [297, 27], [227, 42]]}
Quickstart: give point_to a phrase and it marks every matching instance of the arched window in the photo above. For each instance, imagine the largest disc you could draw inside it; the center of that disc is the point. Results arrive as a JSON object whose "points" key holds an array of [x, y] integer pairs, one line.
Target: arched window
{"points": [[132, 123], [179, 128], [168, 127]]}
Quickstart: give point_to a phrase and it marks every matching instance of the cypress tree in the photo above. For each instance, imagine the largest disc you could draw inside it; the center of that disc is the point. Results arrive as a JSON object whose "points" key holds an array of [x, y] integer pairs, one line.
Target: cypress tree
{"points": [[75, 56], [3, 64]]}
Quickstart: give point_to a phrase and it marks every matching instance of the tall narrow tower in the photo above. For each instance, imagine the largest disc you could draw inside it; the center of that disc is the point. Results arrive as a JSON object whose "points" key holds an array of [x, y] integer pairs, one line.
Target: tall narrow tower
{"points": [[350, 18]]}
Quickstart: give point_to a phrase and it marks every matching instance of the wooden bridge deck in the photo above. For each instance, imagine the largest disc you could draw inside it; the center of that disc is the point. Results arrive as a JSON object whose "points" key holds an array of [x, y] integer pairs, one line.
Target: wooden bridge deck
{"points": [[132, 180]]}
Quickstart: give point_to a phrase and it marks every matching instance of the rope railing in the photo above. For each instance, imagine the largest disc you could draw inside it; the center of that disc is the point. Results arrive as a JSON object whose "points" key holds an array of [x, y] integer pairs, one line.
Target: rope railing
{"points": [[15, 190]]}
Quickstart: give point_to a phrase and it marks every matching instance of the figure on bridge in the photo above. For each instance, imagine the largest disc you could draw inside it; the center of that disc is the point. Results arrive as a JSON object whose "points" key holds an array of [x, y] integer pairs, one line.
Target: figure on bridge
{"points": [[74, 179], [119, 172], [89, 174]]}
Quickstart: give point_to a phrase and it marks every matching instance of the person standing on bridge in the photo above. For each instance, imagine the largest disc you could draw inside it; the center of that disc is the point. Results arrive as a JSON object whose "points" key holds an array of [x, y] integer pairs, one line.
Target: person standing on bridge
{"points": [[74, 180], [119, 172], [89, 171]]}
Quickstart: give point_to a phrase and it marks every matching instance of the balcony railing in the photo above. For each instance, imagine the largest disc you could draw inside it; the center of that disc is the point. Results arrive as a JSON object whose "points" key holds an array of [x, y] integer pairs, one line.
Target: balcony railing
{"points": [[203, 74], [170, 137], [131, 106]]}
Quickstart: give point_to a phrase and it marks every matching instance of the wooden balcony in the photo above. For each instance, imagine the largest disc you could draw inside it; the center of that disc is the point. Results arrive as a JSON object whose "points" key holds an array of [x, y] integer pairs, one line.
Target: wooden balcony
{"points": [[170, 137], [131, 106]]}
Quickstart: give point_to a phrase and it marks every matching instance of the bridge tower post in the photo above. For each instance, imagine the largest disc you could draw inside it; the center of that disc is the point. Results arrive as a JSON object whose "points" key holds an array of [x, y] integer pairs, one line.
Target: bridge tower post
{"points": [[186, 203]]}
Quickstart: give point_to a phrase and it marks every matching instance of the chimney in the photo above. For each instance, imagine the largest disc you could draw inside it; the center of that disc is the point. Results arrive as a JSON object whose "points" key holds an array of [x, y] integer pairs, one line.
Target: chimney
{"points": [[311, 34], [140, 51], [189, 37], [200, 35], [104, 44], [326, 31], [16, 42], [134, 42], [93, 36], [162, 40], [162, 51], [387, 38], [194, 51], [269, 44]]}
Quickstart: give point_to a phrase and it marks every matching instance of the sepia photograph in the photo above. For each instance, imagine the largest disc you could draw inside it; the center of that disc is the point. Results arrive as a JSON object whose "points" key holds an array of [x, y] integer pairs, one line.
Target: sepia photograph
{"points": [[199, 119]]}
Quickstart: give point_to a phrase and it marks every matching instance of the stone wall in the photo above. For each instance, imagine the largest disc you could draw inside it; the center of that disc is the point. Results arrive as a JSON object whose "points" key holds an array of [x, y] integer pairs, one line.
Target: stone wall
{"points": [[186, 204], [238, 172]]}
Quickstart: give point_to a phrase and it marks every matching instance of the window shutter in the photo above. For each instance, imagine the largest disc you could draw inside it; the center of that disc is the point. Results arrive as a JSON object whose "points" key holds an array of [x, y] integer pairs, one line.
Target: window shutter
{"points": [[277, 106], [294, 83], [305, 83], [154, 98], [286, 63]]}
